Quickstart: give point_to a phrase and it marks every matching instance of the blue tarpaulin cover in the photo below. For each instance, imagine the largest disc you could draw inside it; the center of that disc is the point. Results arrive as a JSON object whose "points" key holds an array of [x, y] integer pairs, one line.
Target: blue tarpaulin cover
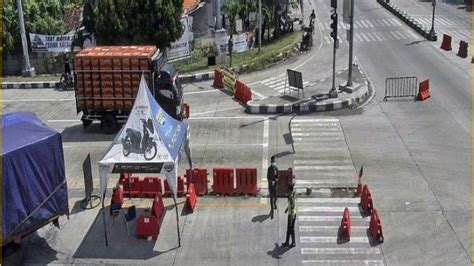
{"points": [[34, 183]]}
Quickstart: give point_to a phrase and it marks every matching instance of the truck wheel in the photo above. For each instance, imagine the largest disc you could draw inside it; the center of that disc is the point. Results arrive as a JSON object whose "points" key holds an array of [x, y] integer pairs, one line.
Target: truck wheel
{"points": [[109, 124], [12, 254]]}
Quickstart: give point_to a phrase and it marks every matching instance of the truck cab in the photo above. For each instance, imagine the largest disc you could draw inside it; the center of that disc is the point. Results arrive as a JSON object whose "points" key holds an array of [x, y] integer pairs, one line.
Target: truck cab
{"points": [[168, 91]]}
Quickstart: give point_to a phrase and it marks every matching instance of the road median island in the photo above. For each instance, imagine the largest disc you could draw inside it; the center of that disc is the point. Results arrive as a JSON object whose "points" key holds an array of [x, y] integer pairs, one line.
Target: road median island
{"points": [[317, 99]]}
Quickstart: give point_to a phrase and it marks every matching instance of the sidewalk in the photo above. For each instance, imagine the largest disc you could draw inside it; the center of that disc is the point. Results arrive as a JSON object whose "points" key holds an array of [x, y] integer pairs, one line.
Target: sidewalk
{"points": [[315, 97]]}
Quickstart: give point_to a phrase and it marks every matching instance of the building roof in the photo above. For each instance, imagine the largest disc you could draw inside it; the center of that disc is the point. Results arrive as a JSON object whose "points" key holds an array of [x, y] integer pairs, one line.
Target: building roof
{"points": [[190, 5]]}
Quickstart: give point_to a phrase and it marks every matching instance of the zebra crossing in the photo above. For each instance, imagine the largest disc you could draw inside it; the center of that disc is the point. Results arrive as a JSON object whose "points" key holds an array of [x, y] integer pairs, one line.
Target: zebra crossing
{"points": [[318, 226], [381, 36], [279, 82], [322, 159], [387, 22]]}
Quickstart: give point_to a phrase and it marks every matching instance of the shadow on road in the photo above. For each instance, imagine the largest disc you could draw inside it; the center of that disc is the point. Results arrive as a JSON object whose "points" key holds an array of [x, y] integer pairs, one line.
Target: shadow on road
{"points": [[260, 218], [278, 251]]}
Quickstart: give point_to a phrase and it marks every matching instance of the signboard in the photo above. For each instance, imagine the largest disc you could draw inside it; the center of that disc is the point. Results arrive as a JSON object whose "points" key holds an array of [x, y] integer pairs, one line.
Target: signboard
{"points": [[240, 43], [229, 79], [182, 47], [87, 170], [51, 43], [295, 81], [221, 42]]}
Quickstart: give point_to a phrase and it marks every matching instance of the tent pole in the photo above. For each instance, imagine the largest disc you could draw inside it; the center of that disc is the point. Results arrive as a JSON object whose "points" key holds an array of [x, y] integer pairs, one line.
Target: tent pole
{"points": [[177, 220], [103, 216]]}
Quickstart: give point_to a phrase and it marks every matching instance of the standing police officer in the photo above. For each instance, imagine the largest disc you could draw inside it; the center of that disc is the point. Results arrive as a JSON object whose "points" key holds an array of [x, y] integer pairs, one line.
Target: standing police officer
{"points": [[291, 210], [272, 177]]}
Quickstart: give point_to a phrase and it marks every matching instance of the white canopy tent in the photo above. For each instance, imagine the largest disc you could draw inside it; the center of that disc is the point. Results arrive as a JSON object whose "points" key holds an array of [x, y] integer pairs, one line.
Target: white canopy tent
{"points": [[150, 142]]}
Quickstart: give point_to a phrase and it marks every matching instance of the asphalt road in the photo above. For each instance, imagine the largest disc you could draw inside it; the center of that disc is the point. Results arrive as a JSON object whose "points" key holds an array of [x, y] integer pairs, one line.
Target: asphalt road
{"points": [[416, 158]]}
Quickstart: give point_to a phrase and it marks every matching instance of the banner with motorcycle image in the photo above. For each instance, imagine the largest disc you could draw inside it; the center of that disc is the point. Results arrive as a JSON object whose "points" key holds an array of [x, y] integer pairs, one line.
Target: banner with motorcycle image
{"points": [[150, 141]]}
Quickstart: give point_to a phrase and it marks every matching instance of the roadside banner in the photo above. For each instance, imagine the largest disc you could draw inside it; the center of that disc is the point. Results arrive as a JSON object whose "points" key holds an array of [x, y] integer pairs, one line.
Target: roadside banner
{"points": [[229, 79], [51, 43], [182, 47], [240, 43]]}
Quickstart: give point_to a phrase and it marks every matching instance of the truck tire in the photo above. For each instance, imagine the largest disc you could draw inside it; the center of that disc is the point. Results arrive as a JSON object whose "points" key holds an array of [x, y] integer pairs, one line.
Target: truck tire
{"points": [[109, 124], [12, 254]]}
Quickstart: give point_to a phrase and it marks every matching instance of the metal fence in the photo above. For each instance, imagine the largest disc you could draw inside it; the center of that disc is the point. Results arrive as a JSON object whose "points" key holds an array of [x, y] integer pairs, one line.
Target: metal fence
{"points": [[399, 87]]}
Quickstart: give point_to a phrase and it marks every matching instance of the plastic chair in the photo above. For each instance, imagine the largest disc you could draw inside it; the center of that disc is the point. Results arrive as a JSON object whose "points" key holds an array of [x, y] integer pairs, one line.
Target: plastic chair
{"points": [[129, 216]]}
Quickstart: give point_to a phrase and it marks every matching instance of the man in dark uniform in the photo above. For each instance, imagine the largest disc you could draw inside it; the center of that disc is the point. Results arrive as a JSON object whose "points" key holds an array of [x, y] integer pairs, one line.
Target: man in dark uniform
{"points": [[291, 210], [272, 177]]}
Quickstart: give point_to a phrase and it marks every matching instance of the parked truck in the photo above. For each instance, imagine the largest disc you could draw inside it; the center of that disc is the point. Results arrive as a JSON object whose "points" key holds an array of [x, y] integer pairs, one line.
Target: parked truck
{"points": [[107, 80]]}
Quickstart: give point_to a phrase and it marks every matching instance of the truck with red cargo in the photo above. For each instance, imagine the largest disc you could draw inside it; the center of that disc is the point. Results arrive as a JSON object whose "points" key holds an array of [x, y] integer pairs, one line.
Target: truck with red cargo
{"points": [[107, 80]]}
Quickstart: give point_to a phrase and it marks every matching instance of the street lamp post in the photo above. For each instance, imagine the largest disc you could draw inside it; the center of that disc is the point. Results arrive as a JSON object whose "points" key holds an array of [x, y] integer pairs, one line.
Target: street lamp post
{"points": [[432, 31], [259, 25]]}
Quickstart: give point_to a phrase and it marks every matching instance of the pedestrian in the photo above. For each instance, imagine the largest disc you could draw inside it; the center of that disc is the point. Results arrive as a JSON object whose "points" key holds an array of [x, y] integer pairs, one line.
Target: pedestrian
{"points": [[291, 210], [272, 177], [312, 16]]}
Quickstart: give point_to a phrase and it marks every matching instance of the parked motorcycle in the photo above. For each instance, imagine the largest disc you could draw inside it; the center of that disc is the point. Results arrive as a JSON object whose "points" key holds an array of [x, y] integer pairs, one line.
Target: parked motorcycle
{"points": [[133, 141]]}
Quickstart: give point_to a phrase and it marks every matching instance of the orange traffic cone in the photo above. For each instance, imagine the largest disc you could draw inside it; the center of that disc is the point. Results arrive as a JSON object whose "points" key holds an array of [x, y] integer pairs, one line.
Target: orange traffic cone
{"points": [[359, 182]]}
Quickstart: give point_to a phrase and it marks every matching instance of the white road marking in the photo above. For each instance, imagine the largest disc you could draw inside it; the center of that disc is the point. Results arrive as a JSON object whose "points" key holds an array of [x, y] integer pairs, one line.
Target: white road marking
{"points": [[37, 100], [341, 251], [64, 121], [226, 117], [325, 182], [339, 262], [323, 161], [396, 22], [328, 40], [319, 218], [323, 167], [365, 24], [376, 34], [369, 35], [370, 23], [358, 24], [316, 120], [399, 35], [330, 239], [394, 35], [216, 111], [363, 36], [329, 133], [386, 22], [328, 200], [199, 92], [327, 209], [266, 126]]}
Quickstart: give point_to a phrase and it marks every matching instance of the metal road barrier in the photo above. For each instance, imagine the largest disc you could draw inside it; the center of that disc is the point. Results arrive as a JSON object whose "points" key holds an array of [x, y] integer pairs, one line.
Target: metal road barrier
{"points": [[398, 87]]}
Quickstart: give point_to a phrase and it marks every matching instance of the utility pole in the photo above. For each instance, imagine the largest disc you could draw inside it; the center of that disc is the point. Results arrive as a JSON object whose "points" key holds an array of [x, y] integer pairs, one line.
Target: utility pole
{"points": [[218, 15], [259, 25], [28, 70], [351, 44], [432, 31], [333, 91]]}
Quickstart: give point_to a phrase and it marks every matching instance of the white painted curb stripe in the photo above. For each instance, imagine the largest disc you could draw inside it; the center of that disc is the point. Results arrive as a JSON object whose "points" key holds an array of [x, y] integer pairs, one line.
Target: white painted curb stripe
{"points": [[349, 262]]}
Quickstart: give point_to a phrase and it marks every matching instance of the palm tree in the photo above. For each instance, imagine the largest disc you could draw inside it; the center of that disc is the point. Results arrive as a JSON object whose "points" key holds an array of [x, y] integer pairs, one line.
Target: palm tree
{"points": [[232, 9]]}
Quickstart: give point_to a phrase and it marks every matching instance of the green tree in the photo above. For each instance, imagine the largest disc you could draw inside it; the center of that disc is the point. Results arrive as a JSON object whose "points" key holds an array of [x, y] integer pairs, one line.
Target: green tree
{"points": [[116, 22], [232, 9], [43, 17]]}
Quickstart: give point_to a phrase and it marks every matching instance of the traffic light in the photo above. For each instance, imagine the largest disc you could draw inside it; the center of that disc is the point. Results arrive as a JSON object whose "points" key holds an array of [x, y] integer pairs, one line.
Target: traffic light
{"points": [[334, 25], [334, 3]]}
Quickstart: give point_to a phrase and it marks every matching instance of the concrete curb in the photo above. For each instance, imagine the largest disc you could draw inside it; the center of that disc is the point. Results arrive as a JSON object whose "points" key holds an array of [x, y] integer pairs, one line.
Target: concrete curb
{"points": [[30, 85], [411, 22], [196, 77], [311, 105]]}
